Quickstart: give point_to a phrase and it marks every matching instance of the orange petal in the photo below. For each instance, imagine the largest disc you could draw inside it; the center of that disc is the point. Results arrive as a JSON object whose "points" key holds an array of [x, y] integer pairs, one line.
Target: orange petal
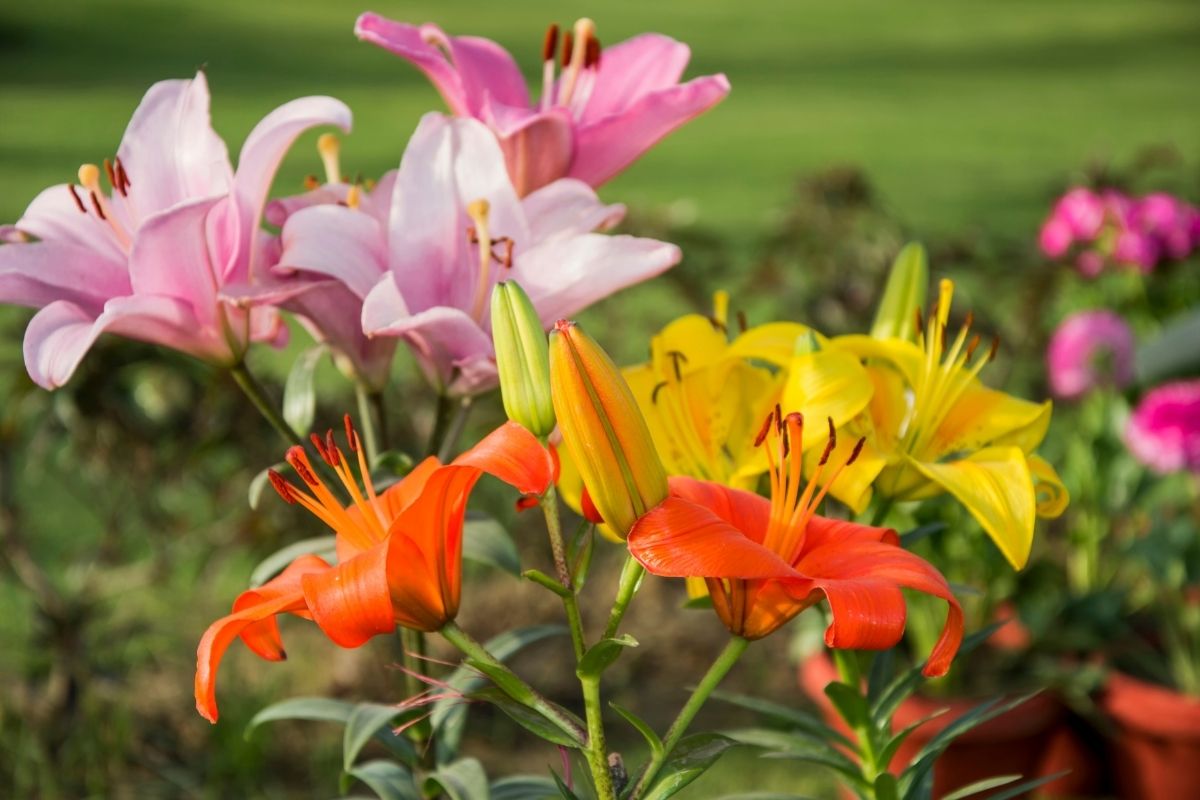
{"points": [[680, 539], [351, 602], [401, 495], [822, 531], [746, 511], [862, 580], [515, 456], [253, 619]]}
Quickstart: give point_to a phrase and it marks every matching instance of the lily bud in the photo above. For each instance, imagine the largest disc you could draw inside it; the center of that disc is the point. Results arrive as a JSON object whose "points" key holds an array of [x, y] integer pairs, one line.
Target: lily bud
{"points": [[522, 359], [603, 429], [907, 284]]}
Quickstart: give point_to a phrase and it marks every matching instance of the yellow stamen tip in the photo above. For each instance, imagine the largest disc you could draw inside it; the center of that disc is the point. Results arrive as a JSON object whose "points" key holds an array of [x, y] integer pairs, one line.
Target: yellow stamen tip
{"points": [[328, 144], [354, 196], [584, 29], [478, 209], [89, 176]]}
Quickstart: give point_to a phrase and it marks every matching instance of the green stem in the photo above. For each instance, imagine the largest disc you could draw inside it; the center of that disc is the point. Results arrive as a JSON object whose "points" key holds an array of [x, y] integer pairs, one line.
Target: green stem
{"points": [[881, 512], [412, 645], [367, 419], [531, 697], [454, 429], [631, 578], [549, 504], [850, 673], [716, 673], [596, 753], [254, 391]]}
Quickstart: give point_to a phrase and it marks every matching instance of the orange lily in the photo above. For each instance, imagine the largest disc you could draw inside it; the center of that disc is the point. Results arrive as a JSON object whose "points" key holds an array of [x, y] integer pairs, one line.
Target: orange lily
{"points": [[399, 553], [766, 561]]}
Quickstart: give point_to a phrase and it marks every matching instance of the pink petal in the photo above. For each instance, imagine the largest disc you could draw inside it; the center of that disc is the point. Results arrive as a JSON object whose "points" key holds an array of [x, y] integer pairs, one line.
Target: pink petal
{"points": [[259, 160], [332, 314], [568, 208], [60, 334], [631, 69], [415, 45], [170, 257], [607, 145], [54, 217], [170, 150], [448, 164], [337, 242], [37, 273], [537, 146], [562, 277]]}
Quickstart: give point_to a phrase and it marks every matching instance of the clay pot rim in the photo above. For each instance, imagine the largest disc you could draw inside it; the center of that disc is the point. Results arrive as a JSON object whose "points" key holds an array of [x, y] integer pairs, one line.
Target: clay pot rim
{"points": [[1150, 708]]}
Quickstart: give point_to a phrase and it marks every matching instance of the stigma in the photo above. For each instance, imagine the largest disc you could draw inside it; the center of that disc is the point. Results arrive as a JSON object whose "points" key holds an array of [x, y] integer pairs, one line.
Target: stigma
{"points": [[480, 234]]}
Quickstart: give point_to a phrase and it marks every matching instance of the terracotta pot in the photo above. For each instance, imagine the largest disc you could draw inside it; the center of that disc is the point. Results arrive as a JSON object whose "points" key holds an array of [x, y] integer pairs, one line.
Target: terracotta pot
{"points": [[1156, 750], [1034, 739]]}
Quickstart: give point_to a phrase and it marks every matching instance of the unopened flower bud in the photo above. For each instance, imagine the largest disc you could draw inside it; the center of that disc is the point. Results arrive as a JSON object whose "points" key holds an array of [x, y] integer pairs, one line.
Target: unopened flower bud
{"points": [[603, 429], [522, 359]]}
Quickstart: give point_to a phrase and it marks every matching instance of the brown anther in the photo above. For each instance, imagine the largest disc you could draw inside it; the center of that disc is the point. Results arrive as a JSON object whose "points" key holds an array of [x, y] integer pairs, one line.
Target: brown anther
{"points": [[311, 182], [96, 205], [830, 445], [778, 418], [75, 196], [281, 485], [858, 446], [122, 175], [472, 235], [766, 428], [112, 176], [658, 388], [550, 43], [676, 358], [972, 345], [591, 58], [299, 461], [506, 257], [717, 324], [970, 320], [920, 323], [326, 448], [351, 434], [568, 45], [741, 318], [785, 444], [995, 348]]}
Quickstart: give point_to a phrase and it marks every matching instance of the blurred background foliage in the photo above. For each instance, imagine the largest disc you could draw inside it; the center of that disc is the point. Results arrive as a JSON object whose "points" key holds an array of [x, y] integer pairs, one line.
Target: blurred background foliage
{"points": [[851, 128]]}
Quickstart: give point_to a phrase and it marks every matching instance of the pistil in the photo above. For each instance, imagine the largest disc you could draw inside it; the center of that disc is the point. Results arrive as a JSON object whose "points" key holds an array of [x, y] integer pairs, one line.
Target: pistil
{"points": [[329, 147]]}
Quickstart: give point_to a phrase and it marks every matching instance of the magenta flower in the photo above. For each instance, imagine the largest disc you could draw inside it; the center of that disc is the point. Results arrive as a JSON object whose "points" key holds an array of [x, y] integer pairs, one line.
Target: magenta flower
{"points": [[1168, 220], [1077, 217], [592, 121], [1164, 430], [1089, 349], [421, 267], [147, 261]]}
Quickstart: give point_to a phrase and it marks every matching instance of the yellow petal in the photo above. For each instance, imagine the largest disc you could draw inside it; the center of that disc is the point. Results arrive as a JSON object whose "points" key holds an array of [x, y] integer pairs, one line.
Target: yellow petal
{"points": [[995, 485], [1052, 496], [694, 338], [825, 384], [903, 355], [888, 409], [774, 342], [984, 417], [696, 588]]}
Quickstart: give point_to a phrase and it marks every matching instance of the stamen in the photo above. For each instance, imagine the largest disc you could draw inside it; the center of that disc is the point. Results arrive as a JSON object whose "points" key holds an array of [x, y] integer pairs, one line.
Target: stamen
{"points": [[122, 176], [657, 388], [573, 62], [311, 182], [567, 46], [858, 447], [299, 461], [112, 177], [353, 196], [920, 323], [351, 434], [741, 318], [99, 209], [478, 210], [550, 42], [75, 196], [281, 486], [329, 147], [677, 357], [89, 177], [328, 454], [994, 349], [972, 346], [591, 56], [766, 429], [830, 445]]}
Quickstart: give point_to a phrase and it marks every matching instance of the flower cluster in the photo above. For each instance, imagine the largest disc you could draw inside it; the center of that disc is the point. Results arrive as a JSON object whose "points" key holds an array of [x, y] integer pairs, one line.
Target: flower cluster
{"points": [[1108, 227]]}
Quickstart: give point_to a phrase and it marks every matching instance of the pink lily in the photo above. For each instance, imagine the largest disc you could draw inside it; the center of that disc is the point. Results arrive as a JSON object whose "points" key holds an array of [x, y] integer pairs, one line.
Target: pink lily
{"points": [[591, 122], [422, 267], [147, 261]]}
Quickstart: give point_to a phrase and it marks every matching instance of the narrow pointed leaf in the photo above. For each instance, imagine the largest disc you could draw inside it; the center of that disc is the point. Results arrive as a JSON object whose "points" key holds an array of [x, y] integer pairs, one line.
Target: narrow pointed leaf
{"points": [[655, 743], [529, 719], [850, 704], [365, 721], [563, 790], [461, 780], [299, 395], [388, 780], [275, 563], [810, 724], [486, 541], [525, 787], [260, 482], [602, 654]]}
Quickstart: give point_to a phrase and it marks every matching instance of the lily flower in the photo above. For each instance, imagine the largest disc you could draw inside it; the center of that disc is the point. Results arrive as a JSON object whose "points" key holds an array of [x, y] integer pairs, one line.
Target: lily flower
{"points": [[399, 553], [424, 269], [593, 119], [937, 429], [765, 561], [148, 259]]}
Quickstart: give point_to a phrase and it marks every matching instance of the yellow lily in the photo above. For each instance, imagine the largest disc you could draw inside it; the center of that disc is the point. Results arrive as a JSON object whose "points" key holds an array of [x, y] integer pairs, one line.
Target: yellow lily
{"points": [[935, 428]]}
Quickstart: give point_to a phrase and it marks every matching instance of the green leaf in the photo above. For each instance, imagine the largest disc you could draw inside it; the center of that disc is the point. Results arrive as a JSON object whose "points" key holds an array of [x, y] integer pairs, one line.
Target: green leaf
{"points": [[529, 719], [883, 664], [315, 709], [275, 563], [1023, 788], [486, 541], [766, 796], [904, 294], [387, 779], [799, 747], [449, 715], [894, 744], [810, 724], [259, 483], [602, 654], [563, 790], [525, 787], [981, 786], [885, 787], [546, 582], [850, 704], [656, 744], [909, 538], [1173, 353], [365, 721], [583, 561], [299, 395], [691, 757], [461, 780]]}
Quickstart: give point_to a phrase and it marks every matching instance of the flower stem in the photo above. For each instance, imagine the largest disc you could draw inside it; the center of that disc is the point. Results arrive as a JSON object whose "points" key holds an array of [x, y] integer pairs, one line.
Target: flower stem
{"points": [[631, 578], [881, 512], [850, 673], [367, 420], [532, 698], [716, 673], [596, 752], [549, 504], [258, 396], [450, 424]]}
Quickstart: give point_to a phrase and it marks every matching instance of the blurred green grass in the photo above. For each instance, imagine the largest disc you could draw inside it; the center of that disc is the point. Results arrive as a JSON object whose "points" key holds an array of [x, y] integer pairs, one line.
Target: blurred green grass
{"points": [[961, 111]]}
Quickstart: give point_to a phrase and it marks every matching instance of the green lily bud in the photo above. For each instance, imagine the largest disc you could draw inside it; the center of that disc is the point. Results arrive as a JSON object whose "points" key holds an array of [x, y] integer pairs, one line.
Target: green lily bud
{"points": [[904, 295], [522, 359]]}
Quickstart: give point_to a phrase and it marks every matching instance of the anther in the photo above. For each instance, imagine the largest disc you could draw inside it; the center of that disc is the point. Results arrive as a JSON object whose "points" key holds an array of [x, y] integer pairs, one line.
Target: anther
{"points": [[112, 176], [972, 345], [766, 428], [89, 177], [550, 43], [568, 44], [351, 434], [995, 348], [830, 445], [591, 58], [741, 318], [858, 446], [99, 209], [677, 357], [311, 182], [122, 175], [662, 385], [778, 418], [299, 461], [327, 454], [970, 320], [75, 196], [717, 325], [281, 485], [920, 323]]}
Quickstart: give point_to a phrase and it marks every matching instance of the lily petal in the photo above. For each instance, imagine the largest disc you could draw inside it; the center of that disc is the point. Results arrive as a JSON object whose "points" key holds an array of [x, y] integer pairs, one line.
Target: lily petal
{"points": [[52, 216], [537, 145], [746, 511], [352, 602], [171, 257], [253, 619], [1052, 496], [567, 208], [984, 416], [774, 342], [37, 273], [336, 241], [634, 68], [825, 384], [995, 485], [606, 146], [514, 455], [416, 45]]}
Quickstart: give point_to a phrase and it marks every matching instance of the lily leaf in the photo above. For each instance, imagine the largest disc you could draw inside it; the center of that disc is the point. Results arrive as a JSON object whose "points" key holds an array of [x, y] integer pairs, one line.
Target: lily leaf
{"points": [[461, 780], [602, 654], [387, 779], [299, 395], [525, 787], [366, 721], [487, 542], [656, 744], [259, 483], [529, 719], [691, 757]]}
